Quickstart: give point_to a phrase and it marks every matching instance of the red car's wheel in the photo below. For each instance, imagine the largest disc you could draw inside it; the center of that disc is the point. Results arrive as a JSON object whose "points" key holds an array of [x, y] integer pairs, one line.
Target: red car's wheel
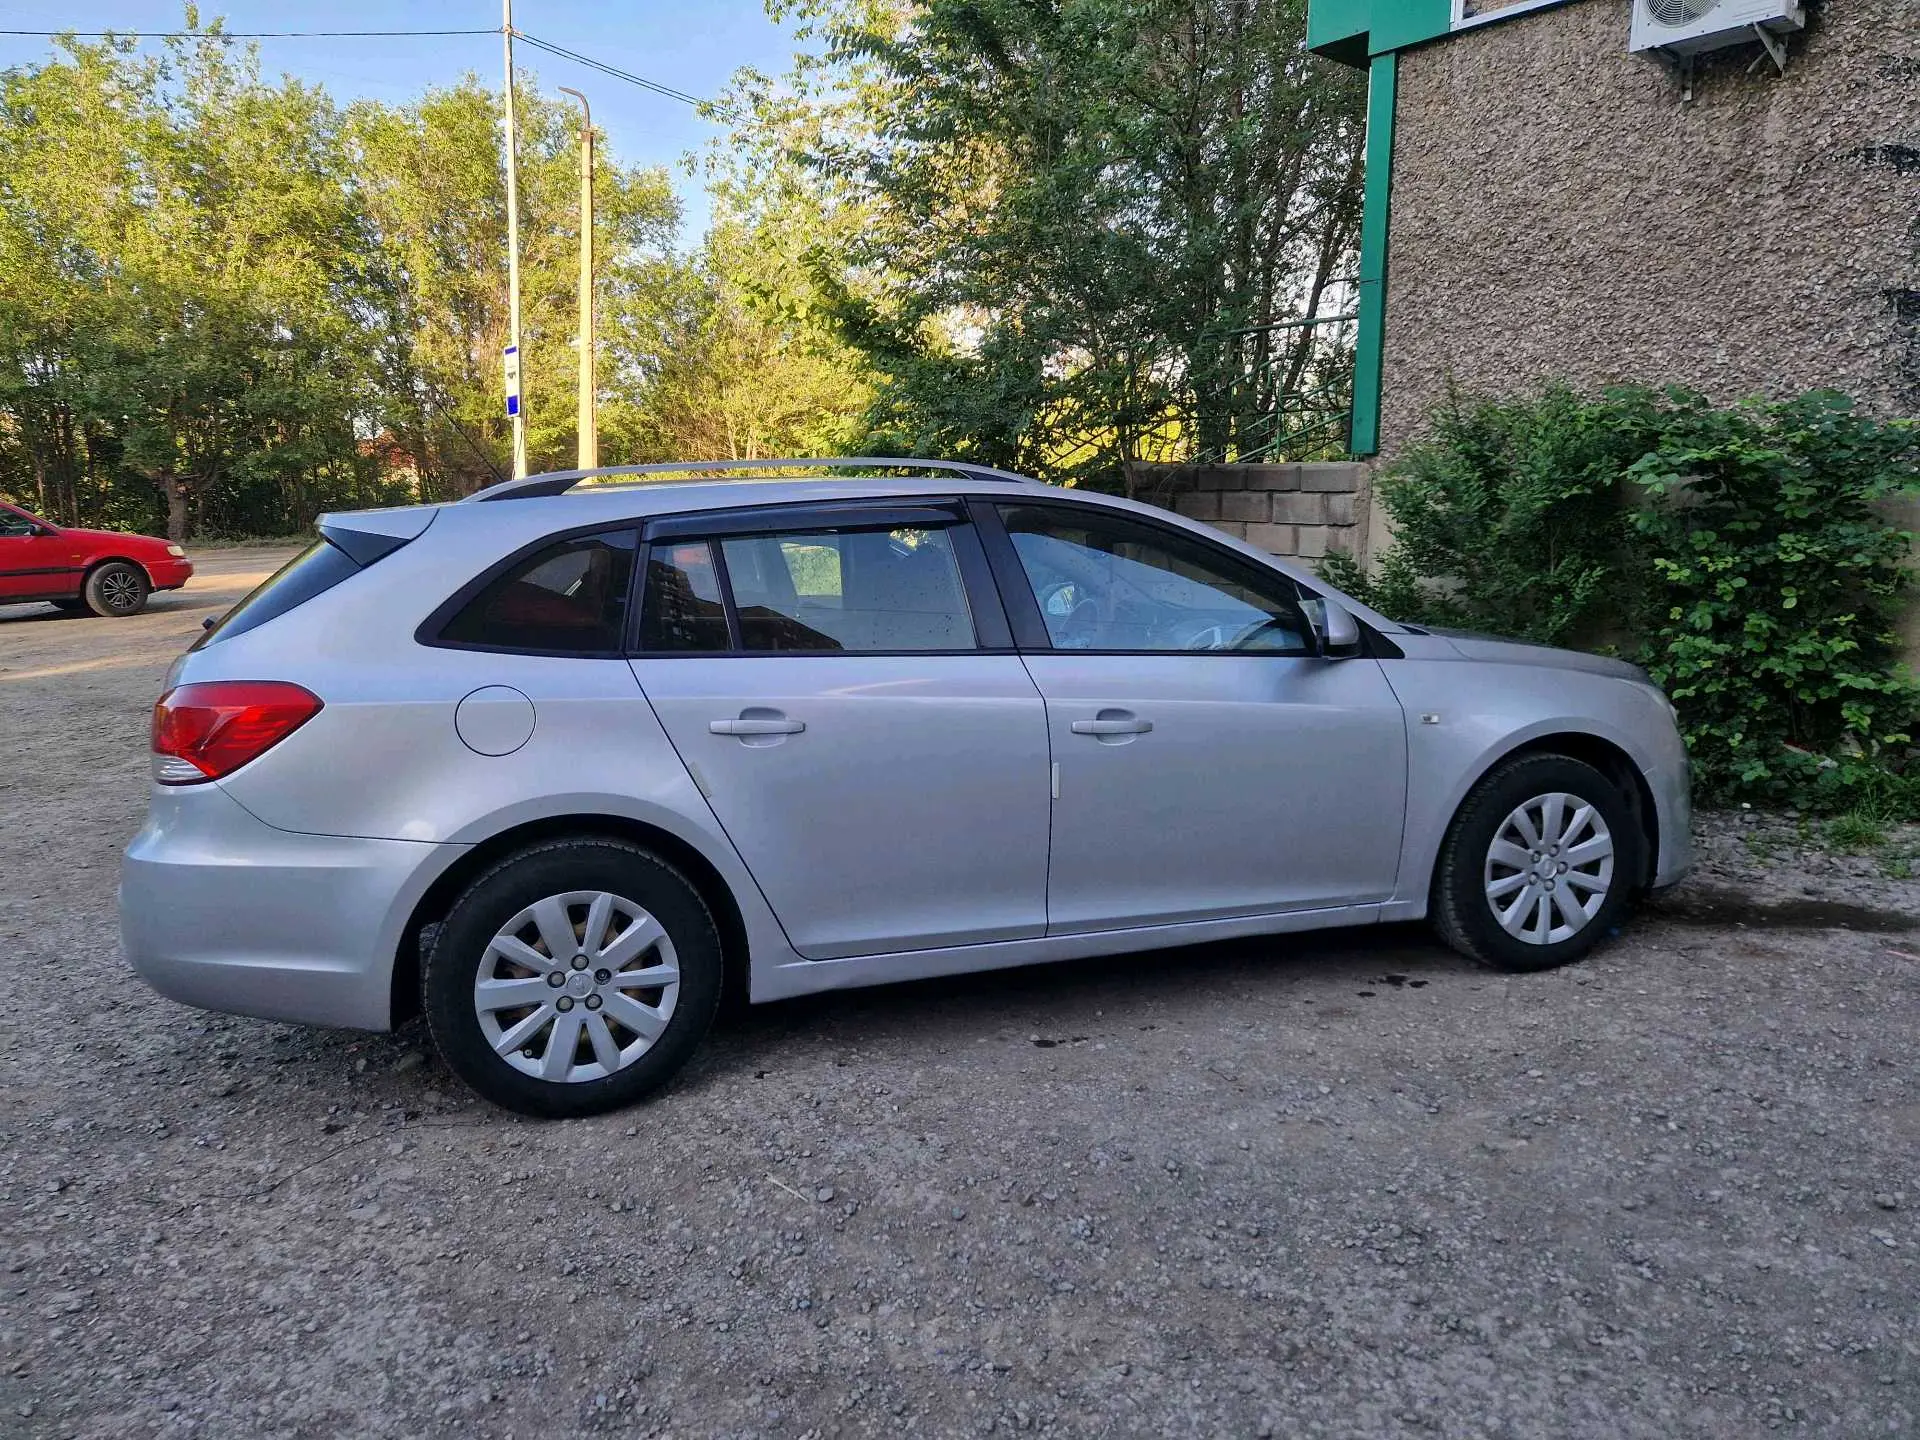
{"points": [[117, 588]]}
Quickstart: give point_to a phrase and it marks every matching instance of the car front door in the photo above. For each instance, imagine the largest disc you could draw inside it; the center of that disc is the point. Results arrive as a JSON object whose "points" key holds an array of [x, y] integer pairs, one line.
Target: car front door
{"points": [[1211, 762], [841, 684], [34, 561]]}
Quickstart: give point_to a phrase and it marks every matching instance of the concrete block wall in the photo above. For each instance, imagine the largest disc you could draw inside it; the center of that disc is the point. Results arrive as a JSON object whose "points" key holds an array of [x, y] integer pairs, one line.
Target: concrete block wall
{"points": [[1304, 510]]}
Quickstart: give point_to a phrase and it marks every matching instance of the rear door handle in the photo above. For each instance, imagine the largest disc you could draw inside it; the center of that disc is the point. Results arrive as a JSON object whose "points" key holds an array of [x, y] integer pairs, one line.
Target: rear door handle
{"points": [[756, 727], [1112, 725]]}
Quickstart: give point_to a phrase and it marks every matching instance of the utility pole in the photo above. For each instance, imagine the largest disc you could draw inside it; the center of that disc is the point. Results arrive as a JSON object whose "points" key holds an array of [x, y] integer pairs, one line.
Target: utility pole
{"points": [[516, 407], [589, 458]]}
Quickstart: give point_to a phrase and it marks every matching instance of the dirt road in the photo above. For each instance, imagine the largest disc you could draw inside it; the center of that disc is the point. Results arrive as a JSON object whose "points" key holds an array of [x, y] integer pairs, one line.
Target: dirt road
{"points": [[1335, 1187]]}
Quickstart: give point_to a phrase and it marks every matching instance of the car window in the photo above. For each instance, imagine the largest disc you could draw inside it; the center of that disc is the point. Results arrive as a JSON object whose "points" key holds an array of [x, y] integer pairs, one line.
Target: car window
{"points": [[314, 571], [15, 526], [849, 590], [1105, 582], [682, 609], [569, 598]]}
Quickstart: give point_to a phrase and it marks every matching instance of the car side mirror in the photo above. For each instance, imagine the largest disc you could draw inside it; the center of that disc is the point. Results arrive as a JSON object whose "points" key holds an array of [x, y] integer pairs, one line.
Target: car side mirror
{"points": [[1334, 624]]}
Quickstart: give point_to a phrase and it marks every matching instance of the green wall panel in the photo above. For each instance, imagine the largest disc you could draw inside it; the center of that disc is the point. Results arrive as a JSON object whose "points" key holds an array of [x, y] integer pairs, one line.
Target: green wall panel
{"points": [[1369, 341]]}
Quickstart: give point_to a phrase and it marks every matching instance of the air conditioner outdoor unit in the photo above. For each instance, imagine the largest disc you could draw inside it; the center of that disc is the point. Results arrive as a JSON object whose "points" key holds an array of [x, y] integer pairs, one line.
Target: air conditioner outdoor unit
{"points": [[1687, 27]]}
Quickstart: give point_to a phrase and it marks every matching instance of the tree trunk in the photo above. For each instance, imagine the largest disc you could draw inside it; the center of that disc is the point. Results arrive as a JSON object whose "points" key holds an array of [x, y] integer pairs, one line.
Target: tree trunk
{"points": [[176, 493]]}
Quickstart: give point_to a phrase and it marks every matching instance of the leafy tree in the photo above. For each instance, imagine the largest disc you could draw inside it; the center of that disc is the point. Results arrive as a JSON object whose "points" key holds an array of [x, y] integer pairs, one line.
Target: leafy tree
{"points": [[225, 304], [177, 255], [749, 368], [1058, 236], [434, 190], [1079, 224]]}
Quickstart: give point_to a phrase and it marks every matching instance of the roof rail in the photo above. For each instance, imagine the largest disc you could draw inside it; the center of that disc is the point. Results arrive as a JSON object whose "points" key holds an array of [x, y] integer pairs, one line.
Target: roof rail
{"points": [[558, 482]]}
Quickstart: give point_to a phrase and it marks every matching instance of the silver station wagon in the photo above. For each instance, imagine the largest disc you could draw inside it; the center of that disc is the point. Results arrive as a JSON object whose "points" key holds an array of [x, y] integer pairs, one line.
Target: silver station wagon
{"points": [[560, 763]]}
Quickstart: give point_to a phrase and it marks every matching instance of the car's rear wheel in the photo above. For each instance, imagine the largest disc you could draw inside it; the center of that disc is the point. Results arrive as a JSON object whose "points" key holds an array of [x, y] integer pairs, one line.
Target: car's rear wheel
{"points": [[573, 978], [117, 588], [1540, 863]]}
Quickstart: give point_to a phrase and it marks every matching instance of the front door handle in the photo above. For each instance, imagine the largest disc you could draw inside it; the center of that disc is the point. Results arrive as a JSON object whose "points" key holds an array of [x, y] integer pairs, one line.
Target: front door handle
{"points": [[744, 726], [1113, 723]]}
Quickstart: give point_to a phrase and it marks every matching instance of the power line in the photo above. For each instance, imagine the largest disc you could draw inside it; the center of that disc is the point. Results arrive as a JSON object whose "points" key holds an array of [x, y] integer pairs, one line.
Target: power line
{"points": [[428, 402], [614, 70], [235, 34], [547, 45]]}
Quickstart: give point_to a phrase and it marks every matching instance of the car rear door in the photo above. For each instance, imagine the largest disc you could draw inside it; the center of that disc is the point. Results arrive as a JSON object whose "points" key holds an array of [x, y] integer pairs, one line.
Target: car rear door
{"points": [[841, 684], [1211, 763]]}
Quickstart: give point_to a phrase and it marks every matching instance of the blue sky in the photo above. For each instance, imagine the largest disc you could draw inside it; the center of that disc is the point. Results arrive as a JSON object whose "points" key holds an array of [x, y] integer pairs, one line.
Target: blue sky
{"points": [[691, 46]]}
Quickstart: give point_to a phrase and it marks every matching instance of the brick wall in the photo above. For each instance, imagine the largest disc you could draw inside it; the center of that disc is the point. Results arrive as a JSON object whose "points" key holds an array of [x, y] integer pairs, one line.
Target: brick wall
{"points": [[1301, 510]]}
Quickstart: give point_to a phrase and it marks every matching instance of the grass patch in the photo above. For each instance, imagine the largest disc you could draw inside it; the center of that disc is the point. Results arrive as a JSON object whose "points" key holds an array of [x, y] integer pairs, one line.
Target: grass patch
{"points": [[1855, 833]]}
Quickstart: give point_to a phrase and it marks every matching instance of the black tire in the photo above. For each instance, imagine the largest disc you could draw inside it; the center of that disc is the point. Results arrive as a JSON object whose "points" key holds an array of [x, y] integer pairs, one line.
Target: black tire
{"points": [[556, 867], [117, 589], [1462, 911]]}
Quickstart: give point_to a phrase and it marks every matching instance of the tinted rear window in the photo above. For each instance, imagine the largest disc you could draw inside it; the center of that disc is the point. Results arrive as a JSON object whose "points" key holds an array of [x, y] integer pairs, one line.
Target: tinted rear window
{"points": [[569, 598], [315, 570], [682, 609], [876, 590]]}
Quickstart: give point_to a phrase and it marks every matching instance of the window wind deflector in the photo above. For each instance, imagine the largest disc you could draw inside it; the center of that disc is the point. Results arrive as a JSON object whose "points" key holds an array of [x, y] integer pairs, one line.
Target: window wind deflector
{"points": [[859, 515]]}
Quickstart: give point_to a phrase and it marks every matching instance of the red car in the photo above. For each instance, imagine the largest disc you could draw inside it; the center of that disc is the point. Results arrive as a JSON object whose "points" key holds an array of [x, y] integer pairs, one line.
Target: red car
{"points": [[98, 570]]}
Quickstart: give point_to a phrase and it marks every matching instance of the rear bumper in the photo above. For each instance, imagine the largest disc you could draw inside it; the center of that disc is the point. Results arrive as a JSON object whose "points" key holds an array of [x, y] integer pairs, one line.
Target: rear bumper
{"points": [[169, 574], [222, 911]]}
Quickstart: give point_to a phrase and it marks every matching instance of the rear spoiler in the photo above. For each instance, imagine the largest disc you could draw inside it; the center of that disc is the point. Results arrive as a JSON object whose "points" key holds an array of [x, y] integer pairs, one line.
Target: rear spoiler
{"points": [[364, 536]]}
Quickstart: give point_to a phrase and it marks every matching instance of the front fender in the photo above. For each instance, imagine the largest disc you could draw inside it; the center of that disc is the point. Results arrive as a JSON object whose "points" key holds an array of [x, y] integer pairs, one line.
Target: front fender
{"points": [[1462, 721]]}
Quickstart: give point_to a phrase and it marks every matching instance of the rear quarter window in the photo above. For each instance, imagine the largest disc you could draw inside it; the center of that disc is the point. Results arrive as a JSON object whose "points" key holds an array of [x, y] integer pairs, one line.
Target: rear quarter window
{"points": [[567, 598]]}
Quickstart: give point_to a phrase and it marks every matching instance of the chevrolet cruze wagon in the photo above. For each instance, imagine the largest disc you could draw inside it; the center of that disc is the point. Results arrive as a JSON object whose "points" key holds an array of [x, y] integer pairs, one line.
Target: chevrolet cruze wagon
{"points": [[560, 763]]}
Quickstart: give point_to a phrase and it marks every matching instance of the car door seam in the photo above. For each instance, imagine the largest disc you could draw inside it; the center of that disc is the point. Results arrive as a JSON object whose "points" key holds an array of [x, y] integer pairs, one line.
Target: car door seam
{"points": [[719, 825]]}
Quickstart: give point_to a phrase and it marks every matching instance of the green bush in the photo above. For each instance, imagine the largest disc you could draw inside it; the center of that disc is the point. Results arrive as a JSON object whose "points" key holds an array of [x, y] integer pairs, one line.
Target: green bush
{"points": [[1735, 552], [1511, 518]]}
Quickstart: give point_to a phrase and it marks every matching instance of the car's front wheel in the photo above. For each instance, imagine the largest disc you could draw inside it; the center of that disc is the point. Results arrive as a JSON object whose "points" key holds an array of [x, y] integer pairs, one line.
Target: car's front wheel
{"points": [[573, 978], [1538, 866], [117, 589]]}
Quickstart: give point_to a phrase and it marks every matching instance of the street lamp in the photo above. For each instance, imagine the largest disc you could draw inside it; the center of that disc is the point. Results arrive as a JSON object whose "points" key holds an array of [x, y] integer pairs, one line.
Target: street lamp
{"points": [[516, 407]]}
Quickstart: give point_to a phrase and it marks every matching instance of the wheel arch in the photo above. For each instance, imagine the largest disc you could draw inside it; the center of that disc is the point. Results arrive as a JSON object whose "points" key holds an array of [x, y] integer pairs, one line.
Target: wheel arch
{"points": [[97, 561], [434, 904], [1603, 755], [100, 562]]}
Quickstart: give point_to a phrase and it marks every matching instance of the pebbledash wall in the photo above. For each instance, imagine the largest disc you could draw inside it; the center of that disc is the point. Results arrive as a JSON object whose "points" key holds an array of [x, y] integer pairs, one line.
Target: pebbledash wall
{"points": [[1542, 205], [1560, 209]]}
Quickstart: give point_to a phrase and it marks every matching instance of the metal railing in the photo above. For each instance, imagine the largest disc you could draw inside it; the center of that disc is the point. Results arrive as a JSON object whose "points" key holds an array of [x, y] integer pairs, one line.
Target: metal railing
{"points": [[1303, 422]]}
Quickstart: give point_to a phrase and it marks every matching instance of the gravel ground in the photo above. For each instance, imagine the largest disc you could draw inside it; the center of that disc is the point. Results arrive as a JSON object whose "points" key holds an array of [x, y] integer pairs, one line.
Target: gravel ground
{"points": [[1345, 1186]]}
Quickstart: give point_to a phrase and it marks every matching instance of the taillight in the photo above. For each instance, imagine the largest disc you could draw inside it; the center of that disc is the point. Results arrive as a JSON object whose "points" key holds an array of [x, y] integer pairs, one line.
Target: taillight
{"points": [[201, 732]]}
